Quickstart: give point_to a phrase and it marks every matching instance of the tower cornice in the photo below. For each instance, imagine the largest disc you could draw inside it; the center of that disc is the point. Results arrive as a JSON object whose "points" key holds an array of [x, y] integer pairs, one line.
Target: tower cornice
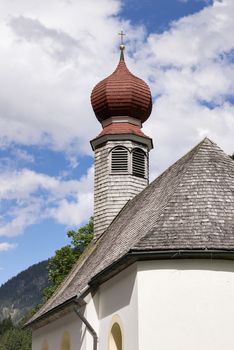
{"points": [[102, 139]]}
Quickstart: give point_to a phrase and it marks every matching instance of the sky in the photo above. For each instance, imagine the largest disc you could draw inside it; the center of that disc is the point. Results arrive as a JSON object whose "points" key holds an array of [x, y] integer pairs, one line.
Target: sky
{"points": [[52, 53]]}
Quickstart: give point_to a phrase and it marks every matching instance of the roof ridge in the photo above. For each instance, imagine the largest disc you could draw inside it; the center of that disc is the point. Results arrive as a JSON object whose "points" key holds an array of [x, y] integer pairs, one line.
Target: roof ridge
{"points": [[218, 148], [214, 147], [178, 160]]}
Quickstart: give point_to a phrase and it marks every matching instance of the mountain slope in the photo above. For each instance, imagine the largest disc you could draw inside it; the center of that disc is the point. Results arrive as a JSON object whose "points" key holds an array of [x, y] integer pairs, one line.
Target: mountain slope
{"points": [[23, 291]]}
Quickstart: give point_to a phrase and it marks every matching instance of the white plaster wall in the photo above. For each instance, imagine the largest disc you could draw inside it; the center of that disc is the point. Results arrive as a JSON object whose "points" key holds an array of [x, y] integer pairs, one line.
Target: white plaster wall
{"points": [[118, 296], [186, 304], [92, 316], [53, 333]]}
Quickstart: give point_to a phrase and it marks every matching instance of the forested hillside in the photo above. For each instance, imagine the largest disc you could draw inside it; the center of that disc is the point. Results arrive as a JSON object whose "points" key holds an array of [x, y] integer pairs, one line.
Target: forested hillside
{"points": [[23, 291]]}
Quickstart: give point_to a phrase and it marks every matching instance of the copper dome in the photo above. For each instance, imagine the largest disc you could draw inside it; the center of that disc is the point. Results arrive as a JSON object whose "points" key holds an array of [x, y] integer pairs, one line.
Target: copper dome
{"points": [[121, 94]]}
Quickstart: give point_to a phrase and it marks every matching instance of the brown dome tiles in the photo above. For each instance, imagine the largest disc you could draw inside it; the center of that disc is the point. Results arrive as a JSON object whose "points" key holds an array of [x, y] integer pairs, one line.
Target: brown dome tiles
{"points": [[122, 128], [121, 94]]}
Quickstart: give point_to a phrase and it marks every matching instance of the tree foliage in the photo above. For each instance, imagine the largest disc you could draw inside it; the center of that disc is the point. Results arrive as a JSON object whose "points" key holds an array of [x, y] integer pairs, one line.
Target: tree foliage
{"points": [[81, 238], [62, 262], [5, 325], [14, 337]]}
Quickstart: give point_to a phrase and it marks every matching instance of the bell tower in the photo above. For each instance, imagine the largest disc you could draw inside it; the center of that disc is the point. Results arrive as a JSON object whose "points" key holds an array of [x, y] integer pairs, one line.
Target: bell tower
{"points": [[122, 103]]}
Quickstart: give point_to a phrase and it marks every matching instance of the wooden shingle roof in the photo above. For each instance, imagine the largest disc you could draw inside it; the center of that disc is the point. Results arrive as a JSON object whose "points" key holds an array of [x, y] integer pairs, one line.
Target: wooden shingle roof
{"points": [[189, 208]]}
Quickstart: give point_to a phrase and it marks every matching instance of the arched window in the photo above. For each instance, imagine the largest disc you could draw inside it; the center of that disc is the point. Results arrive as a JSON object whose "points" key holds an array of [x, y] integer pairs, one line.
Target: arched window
{"points": [[65, 341], [119, 160], [138, 163], [115, 340], [45, 345]]}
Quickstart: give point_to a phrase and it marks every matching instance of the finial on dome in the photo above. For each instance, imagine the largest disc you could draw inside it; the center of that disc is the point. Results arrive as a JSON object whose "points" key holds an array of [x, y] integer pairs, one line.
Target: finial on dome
{"points": [[122, 46]]}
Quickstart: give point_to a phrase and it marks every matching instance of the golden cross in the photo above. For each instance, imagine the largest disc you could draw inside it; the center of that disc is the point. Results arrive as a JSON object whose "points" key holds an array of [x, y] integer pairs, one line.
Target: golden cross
{"points": [[122, 34]]}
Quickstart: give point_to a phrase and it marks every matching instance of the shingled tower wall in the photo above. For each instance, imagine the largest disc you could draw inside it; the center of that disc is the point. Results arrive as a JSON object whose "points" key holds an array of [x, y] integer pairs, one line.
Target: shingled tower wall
{"points": [[121, 102]]}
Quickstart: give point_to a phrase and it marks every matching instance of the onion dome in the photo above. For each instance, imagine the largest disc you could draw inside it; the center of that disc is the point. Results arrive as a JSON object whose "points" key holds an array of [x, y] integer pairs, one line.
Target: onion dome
{"points": [[122, 94]]}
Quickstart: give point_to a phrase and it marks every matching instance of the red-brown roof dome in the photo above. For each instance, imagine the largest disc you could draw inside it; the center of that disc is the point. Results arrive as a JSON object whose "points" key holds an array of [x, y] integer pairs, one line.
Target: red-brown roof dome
{"points": [[122, 94], [122, 128]]}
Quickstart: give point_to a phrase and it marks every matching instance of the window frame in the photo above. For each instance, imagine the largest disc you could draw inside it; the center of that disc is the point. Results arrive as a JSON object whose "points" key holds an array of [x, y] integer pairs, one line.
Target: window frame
{"points": [[127, 172], [116, 320], [145, 163], [65, 341]]}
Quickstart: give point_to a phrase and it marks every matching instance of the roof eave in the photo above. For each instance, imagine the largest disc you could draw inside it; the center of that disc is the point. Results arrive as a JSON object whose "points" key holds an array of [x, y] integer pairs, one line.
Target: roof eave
{"points": [[143, 255], [205, 253], [51, 314], [121, 137], [128, 259]]}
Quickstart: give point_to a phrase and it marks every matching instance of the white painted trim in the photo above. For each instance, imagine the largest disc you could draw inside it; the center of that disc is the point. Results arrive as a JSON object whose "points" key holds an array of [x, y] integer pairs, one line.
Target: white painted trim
{"points": [[122, 119]]}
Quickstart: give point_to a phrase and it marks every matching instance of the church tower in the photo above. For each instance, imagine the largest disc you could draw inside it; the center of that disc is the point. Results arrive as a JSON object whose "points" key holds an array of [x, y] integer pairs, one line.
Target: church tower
{"points": [[122, 103]]}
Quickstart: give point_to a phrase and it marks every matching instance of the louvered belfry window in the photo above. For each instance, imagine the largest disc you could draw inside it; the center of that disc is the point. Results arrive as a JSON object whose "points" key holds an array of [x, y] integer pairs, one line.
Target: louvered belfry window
{"points": [[138, 163], [119, 160]]}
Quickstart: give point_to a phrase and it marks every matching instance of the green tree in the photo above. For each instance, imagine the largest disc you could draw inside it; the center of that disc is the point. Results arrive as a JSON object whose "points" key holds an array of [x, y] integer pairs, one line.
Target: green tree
{"points": [[16, 338], [5, 325], [62, 262], [80, 239], [232, 156]]}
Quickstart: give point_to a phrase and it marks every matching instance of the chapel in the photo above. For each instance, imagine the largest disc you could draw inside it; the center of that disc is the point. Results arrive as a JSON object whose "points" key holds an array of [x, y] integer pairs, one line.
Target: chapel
{"points": [[159, 273]]}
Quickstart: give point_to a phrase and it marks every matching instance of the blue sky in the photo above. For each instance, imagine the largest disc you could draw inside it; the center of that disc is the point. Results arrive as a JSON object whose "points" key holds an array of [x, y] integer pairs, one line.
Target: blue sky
{"points": [[156, 16], [51, 56]]}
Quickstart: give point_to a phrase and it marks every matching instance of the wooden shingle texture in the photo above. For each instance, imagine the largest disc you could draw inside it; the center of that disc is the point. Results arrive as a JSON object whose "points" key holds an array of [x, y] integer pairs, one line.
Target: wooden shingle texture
{"points": [[189, 207]]}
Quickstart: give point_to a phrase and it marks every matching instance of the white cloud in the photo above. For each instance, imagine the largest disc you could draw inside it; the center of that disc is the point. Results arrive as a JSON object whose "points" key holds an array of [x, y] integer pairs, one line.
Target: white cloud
{"points": [[205, 1], [28, 197], [68, 212], [191, 69], [51, 56], [4, 247], [22, 155]]}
